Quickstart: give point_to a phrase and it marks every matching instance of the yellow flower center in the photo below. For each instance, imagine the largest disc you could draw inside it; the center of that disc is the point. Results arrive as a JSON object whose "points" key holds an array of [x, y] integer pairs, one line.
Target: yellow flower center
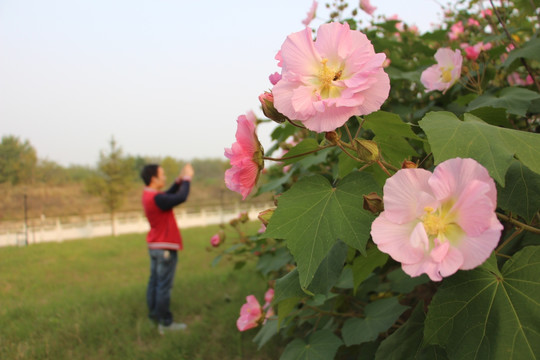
{"points": [[446, 75], [434, 224], [326, 77]]}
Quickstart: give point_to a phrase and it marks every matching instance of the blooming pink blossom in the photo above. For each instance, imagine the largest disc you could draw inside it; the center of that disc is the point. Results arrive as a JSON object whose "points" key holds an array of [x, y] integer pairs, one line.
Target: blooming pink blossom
{"points": [[250, 314], [441, 222], [515, 79], [485, 13], [268, 297], [245, 156], [456, 30], [445, 73], [311, 14], [274, 78], [326, 81], [367, 7], [472, 52], [473, 22], [215, 240]]}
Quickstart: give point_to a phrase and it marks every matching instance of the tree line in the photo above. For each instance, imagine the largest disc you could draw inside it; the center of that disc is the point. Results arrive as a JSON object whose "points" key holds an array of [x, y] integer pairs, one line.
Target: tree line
{"points": [[111, 179]]}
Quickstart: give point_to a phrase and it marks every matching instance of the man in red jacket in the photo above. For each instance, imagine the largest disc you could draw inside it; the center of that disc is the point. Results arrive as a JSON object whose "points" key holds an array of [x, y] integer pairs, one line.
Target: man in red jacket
{"points": [[164, 239]]}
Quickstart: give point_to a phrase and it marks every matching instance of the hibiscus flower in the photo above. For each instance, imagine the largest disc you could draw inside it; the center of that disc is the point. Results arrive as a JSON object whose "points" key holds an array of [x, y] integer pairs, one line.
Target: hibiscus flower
{"points": [[326, 81], [445, 73], [441, 222], [246, 157]]}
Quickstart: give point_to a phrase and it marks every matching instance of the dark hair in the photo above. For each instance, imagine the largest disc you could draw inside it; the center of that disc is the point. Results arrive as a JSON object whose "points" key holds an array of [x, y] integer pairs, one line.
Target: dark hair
{"points": [[148, 172]]}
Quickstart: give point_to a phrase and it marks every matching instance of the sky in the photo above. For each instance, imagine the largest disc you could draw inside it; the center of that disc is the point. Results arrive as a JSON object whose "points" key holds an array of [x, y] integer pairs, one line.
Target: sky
{"points": [[163, 77]]}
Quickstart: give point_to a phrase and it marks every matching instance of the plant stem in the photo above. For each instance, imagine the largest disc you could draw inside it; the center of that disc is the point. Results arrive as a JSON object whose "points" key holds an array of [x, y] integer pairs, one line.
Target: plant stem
{"points": [[359, 127], [518, 223], [348, 132], [384, 168], [297, 155], [510, 238], [340, 145], [293, 124]]}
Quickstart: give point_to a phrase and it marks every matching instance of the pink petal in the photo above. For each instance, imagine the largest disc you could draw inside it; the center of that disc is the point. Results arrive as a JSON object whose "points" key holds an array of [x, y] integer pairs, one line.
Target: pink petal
{"points": [[476, 250], [298, 54], [402, 195], [395, 240], [451, 176], [474, 208]]}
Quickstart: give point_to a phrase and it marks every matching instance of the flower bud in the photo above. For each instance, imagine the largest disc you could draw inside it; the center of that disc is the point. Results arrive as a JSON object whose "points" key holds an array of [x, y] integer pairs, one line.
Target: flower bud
{"points": [[332, 137], [373, 203], [265, 216], [243, 217], [367, 150], [409, 165], [267, 103]]}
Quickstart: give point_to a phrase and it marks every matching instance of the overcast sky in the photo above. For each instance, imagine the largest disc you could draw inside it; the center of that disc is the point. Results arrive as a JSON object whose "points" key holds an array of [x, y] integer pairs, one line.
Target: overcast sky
{"points": [[164, 77]]}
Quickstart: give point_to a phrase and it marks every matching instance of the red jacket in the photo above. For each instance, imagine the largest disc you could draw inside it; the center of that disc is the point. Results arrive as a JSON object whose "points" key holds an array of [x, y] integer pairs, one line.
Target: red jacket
{"points": [[164, 232]]}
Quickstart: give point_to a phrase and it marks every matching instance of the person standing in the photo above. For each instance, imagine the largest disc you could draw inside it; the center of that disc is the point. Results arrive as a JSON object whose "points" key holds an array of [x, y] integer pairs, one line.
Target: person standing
{"points": [[164, 240]]}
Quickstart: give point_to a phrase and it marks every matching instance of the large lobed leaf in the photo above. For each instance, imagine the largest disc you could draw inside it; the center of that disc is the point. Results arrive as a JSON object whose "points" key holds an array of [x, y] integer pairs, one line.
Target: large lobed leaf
{"points": [[489, 314], [492, 146], [321, 345], [521, 195], [313, 215], [379, 316]]}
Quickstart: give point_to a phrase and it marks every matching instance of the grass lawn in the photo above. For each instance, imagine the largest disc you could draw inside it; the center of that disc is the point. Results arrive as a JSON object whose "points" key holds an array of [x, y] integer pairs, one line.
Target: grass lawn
{"points": [[85, 299]]}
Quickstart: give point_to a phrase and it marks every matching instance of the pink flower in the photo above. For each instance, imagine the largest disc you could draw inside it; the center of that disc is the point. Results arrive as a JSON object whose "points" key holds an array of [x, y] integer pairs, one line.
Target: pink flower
{"points": [[515, 79], [245, 156], [250, 314], [472, 52], [441, 222], [484, 13], [445, 73], [326, 81], [215, 240], [367, 7], [267, 104], [311, 14], [456, 30], [473, 22], [274, 78], [268, 297]]}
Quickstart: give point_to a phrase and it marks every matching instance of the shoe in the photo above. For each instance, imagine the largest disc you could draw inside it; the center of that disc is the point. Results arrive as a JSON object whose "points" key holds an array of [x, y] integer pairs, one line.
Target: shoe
{"points": [[172, 327]]}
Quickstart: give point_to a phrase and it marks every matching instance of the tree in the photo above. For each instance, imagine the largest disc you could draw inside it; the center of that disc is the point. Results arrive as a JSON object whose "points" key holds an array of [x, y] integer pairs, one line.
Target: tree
{"points": [[112, 180], [17, 160]]}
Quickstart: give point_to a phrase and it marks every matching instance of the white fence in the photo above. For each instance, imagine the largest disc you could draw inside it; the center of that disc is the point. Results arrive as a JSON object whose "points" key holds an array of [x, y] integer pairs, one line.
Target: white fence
{"points": [[56, 230]]}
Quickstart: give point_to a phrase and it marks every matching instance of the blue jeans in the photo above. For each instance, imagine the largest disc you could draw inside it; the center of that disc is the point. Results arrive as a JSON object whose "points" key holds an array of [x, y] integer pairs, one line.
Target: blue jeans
{"points": [[158, 293]]}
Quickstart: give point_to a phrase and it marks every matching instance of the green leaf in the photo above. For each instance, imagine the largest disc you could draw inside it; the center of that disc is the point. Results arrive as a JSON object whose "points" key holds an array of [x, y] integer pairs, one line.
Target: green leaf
{"points": [[304, 146], [285, 307], [515, 100], [288, 287], [521, 195], [530, 50], [268, 330], [390, 134], [328, 272], [406, 342], [380, 315], [385, 125], [492, 146], [403, 283], [313, 215], [487, 314], [346, 164], [321, 345], [273, 261], [364, 265]]}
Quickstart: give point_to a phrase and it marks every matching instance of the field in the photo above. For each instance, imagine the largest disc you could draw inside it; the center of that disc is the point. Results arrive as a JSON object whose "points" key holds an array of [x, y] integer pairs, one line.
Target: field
{"points": [[85, 299]]}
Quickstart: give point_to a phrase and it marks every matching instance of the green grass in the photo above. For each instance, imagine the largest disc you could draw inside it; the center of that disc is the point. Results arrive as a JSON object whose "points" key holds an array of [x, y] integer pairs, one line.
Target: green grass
{"points": [[85, 299]]}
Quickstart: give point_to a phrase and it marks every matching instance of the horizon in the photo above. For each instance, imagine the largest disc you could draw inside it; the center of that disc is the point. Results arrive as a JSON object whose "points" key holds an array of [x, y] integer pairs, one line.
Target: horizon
{"points": [[75, 74]]}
